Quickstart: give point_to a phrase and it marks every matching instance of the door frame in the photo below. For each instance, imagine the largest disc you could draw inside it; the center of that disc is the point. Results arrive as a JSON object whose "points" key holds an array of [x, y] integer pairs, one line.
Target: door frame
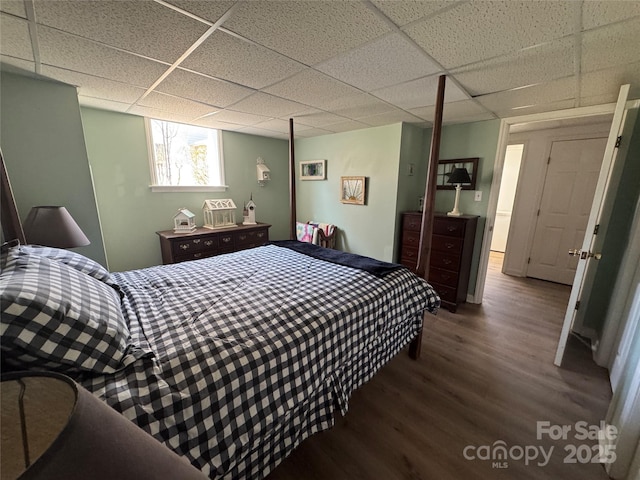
{"points": [[503, 141]]}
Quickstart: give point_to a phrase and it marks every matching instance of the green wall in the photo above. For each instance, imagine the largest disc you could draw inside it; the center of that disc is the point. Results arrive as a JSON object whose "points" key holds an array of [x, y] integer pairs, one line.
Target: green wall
{"points": [[131, 213], [45, 154], [478, 139], [374, 153]]}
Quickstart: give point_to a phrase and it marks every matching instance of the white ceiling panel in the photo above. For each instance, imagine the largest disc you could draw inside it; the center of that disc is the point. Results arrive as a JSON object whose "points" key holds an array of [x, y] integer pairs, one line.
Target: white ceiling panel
{"points": [[389, 118], [313, 132], [202, 89], [146, 28], [230, 58], [149, 112], [563, 89], [409, 11], [609, 80], [386, 61], [420, 93], [103, 104], [477, 31], [6, 63], [212, 122], [282, 126], [264, 104], [14, 7], [346, 126], [308, 31], [183, 107], [356, 105], [317, 119], [75, 53], [452, 111], [536, 65], [599, 99], [263, 133], [231, 116], [95, 87], [14, 37], [612, 45], [312, 88], [548, 107], [599, 13], [207, 10]]}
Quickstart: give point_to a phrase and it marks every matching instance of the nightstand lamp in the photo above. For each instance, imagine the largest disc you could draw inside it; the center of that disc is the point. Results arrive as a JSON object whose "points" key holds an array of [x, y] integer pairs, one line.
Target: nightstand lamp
{"points": [[53, 226], [458, 177]]}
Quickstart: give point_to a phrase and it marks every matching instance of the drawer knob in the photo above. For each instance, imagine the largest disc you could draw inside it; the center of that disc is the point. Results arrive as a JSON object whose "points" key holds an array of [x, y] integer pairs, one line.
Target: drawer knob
{"points": [[197, 240], [451, 228], [184, 246], [446, 261], [197, 255], [449, 245], [226, 239], [260, 234], [242, 237], [208, 243]]}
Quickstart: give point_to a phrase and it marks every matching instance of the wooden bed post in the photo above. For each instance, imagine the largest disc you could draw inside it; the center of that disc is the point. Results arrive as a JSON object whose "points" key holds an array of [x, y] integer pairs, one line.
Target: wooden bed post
{"points": [[11, 226], [426, 229], [292, 184]]}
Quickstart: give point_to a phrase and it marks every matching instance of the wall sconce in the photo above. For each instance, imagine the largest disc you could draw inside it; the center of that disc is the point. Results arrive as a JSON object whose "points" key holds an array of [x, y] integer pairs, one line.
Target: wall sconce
{"points": [[264, 174], [458, 177]]}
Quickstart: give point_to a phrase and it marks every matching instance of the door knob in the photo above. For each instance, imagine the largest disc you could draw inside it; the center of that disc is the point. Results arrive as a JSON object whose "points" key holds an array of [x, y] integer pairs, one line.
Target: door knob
{"points": [[597, 256], [574, 252]]}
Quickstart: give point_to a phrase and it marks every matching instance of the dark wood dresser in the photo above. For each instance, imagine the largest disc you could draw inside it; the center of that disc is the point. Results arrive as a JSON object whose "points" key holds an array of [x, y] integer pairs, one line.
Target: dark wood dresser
{"points": [[205, 242], [451, 252]]}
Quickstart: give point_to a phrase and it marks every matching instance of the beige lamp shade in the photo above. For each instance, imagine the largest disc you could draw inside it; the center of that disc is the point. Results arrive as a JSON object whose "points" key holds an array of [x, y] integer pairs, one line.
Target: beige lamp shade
{"points": [[53, 226], [54, 429]]}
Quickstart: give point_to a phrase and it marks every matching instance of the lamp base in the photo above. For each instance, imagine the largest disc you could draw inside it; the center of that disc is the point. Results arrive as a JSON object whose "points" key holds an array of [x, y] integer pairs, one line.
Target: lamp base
{"points": [[455, 214]]}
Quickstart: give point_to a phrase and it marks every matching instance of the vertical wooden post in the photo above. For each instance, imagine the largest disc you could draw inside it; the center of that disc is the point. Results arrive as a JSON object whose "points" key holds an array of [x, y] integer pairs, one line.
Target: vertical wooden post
{"points": [[292, 184], [11, 226], [426, 229]]}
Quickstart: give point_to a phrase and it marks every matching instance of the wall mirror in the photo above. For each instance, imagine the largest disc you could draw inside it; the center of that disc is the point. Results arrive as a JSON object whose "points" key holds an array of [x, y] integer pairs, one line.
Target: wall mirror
{"points": [[445, 167]]}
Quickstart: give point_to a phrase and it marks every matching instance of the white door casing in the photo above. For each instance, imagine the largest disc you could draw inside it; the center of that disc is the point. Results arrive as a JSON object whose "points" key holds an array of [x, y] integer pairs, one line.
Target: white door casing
{"points": [[567, 197], [602, 203]]}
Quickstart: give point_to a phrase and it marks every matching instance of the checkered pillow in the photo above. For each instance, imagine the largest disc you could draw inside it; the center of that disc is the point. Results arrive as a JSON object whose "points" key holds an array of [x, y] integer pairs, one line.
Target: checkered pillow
{"points": [[56, 317], [73, 259]]}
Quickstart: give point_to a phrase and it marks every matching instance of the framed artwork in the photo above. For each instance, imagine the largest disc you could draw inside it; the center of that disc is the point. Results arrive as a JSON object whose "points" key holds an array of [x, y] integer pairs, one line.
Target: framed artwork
{"points": [[313, 170], [352, 190], [445, 167]]}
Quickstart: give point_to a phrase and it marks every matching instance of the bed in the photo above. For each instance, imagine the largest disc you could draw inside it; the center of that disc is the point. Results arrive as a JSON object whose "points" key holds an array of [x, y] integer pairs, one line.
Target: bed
{"points": [[231, 361]]}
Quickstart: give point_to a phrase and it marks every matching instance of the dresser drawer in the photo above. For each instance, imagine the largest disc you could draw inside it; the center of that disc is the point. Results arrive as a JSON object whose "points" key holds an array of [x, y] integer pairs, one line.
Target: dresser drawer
{"points": [[251, 239], [226, 240], [181, 247], [448, 227], [441, 243], [444, 277], [411, 222], [409, 253], [446, 261], [410, 238], [446, 293], [194, 256]]}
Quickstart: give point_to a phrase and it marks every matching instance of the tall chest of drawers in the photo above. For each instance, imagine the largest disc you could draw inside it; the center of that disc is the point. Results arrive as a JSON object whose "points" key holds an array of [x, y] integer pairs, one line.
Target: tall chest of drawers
{"points": [[451, 252], [204, 242]]}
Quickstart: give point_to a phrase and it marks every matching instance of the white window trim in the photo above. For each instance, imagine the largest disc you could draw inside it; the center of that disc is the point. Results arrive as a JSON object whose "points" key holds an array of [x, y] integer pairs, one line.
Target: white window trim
{"points": [[180, 188]]}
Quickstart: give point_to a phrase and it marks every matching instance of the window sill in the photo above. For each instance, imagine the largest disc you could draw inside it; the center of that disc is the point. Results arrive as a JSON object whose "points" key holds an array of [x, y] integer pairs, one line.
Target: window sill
{"points": [[191, 188]]}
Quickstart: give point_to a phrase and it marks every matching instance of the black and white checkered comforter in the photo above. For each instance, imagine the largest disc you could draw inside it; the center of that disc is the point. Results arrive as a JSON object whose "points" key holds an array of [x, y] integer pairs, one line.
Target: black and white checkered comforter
{"points": [[252, 352]]}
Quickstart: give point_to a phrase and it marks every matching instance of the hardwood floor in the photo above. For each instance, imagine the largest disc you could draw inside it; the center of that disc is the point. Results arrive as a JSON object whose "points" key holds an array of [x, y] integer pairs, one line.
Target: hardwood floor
{"points": [[485, 375]]}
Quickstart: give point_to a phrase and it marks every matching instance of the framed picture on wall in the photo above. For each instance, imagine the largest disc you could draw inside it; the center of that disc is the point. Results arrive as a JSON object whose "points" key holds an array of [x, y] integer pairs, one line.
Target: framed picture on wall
{"points": [[352, 190], [313, 170], [445, 167]]}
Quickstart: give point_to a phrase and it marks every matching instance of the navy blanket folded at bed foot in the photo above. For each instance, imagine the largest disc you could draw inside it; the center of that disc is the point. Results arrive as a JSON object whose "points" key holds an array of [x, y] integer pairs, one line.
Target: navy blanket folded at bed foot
{"points": [[371, 265]]}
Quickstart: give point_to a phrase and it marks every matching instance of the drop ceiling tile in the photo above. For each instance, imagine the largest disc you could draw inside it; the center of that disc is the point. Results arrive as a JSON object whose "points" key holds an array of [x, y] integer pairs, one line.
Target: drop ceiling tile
{"points": [[282, 126], [451, 111], [212, 122], [346, 126], [74, 53], [231, 58], [477, 31], [180, 106], [317, 119], [383, 62], [598, 99], [14, 38], [241, 118], [596, 13], [610, 46], [14, 7], [313, 132], [263, 133], [308, 31], [202, 89], [480, 117], [409, 11], [563, 89], [207, 10], [146, 28], [536, 65], [607, 82], [103, 104], [388, 118], [264, 104], [546, 107], [95, 87], [159, 114], [420, 93], [356, 105], [312, 88], [7, 63]]}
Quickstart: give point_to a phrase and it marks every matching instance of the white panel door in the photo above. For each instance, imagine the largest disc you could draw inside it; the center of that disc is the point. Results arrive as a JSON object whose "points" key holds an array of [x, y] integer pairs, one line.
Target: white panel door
{"points": [[572, 175]]}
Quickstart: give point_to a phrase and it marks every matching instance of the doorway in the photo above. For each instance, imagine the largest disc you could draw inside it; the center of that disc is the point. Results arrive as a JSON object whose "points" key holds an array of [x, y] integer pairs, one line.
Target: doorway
{"points": [[506, 198]]}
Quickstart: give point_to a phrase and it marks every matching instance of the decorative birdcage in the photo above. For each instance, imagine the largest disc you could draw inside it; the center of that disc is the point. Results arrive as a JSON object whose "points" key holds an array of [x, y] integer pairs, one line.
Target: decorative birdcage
{"points": [[184, 221], [219, 213]]}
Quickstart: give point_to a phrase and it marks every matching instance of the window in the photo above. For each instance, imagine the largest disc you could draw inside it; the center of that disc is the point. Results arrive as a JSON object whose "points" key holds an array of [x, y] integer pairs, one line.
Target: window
{"points": [[184, 157]]}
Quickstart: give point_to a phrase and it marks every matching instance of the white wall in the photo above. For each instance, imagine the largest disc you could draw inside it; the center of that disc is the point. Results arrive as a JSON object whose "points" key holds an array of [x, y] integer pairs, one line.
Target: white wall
{"points": [[507, 195], [537, 146]]}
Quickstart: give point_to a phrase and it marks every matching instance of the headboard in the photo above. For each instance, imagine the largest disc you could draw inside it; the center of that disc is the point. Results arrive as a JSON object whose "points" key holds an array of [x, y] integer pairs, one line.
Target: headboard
{"points": [[11, 226]]}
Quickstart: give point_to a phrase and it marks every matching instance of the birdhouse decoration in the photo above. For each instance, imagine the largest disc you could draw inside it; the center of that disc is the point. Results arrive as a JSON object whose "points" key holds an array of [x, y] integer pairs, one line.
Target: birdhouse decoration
{"points": [[184, 221], [249, 212], [219, 213]]}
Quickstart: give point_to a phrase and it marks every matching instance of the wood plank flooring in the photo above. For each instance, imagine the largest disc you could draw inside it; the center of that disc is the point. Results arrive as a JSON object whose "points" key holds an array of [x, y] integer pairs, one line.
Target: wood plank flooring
{"points": [[485, 374]]}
